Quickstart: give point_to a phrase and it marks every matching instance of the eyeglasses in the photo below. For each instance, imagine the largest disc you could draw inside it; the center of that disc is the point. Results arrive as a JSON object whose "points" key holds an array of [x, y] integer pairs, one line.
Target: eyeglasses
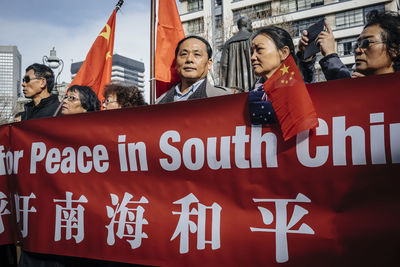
{"points": [[71, 98], [27, 79], [365, 43], [108, 101]]}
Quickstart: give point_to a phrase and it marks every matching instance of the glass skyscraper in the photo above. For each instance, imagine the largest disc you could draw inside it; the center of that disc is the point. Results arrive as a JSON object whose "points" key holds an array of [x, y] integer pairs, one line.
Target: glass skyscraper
{"points": [[10, 81]]}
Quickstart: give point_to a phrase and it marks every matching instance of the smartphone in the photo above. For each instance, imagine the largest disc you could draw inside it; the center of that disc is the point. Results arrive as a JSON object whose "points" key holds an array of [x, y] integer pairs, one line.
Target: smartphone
{"points": [[313, 31]]}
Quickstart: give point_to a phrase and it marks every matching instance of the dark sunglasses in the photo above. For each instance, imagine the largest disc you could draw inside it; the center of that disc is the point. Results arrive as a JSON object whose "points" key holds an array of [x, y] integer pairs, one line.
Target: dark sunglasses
{"points": [[365, 43], [27, 79]]}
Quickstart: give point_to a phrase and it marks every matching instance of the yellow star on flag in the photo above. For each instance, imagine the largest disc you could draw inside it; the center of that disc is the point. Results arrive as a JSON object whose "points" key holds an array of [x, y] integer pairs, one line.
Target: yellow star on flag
{"points": [[284, 69], [106, 34], [108, 55]]}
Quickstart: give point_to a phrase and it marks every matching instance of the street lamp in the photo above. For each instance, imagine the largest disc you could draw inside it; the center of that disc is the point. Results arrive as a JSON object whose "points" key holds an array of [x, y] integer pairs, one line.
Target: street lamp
{"points": [[54, 63]]}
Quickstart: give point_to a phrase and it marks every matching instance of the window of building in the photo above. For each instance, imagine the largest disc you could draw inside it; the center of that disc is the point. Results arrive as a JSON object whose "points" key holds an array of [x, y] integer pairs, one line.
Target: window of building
{"points": [[218, 21], [355, 17], [255, 12], [345, 46], [349, 18], [287, 6], [306, 4], [195, 5], [195, 26], [218, 2], [298, 26]]}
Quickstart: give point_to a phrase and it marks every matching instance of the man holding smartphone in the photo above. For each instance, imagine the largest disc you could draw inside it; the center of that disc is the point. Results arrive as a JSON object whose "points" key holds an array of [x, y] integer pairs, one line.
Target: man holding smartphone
{"points": [[331, 61]]}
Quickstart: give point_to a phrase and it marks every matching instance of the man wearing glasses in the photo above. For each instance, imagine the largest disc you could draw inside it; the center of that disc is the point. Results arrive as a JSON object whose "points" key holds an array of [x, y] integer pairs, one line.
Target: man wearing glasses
{"points": [[37, 85]]}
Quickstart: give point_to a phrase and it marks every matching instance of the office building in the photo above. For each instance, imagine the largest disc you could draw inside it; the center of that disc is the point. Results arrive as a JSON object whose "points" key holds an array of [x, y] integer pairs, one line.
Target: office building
{"points": [[124, 70], [346, 18], [10, 81]]}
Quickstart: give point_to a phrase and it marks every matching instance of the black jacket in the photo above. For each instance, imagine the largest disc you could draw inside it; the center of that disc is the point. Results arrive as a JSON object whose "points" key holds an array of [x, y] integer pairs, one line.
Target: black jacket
{"points": [[331, 65], [46, 108]]}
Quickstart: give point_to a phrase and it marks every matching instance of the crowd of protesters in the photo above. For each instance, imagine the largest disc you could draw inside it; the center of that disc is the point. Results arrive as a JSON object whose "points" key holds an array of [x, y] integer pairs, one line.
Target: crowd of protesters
{"points": [[377, 52], [39, 81]]}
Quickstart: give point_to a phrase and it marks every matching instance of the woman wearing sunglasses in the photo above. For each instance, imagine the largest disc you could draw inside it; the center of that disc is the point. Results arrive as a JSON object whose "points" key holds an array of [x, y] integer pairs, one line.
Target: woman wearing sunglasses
{"points": [[80, 99], [377, 50]]}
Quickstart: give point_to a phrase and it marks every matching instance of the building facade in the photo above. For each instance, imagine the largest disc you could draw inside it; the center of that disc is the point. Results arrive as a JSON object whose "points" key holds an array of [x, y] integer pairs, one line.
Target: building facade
{"points": [[124, 70], [346, 18], [61, 89], [10, 81]]}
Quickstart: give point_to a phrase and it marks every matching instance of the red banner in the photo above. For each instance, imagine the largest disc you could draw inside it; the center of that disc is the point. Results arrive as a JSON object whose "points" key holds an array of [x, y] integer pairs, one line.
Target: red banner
{"points": [[194, 183]]}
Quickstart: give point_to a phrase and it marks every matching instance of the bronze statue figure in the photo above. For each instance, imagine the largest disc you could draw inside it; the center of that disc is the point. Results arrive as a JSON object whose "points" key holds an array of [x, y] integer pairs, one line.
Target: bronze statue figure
{"points": [[235, 65]]}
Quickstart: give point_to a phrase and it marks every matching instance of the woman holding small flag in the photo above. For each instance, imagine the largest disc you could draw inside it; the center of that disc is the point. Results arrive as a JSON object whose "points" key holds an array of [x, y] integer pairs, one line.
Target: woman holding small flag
{"points": [[280, 91]]}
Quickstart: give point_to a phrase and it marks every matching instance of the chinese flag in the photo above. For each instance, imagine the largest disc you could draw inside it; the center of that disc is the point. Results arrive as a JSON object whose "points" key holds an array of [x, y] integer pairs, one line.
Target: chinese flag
{"points": [[169, 33], [290, 100], [95, 71]]}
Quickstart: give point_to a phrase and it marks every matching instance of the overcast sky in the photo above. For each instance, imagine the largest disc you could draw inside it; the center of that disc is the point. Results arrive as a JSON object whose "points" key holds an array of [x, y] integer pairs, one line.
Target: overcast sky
{"points": [[71, 26]]}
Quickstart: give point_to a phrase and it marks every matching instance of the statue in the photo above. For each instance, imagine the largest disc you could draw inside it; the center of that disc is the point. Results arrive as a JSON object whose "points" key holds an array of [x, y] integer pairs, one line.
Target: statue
{"points": [[235, 65]]}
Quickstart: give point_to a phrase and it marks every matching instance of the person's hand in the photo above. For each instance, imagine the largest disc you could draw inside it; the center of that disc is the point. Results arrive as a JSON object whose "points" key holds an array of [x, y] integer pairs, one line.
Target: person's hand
{"points": [[356, 74], [326, 40], [303, 43]]}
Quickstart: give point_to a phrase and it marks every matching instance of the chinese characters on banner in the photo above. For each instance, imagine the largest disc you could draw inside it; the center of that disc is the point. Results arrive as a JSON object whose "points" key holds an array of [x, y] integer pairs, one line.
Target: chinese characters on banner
{"points": [[127, 219]]}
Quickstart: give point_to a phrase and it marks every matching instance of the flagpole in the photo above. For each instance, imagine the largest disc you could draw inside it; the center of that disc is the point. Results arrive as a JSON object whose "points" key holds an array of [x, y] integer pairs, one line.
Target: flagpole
{"points": [[152, 51], [119, 4]]}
